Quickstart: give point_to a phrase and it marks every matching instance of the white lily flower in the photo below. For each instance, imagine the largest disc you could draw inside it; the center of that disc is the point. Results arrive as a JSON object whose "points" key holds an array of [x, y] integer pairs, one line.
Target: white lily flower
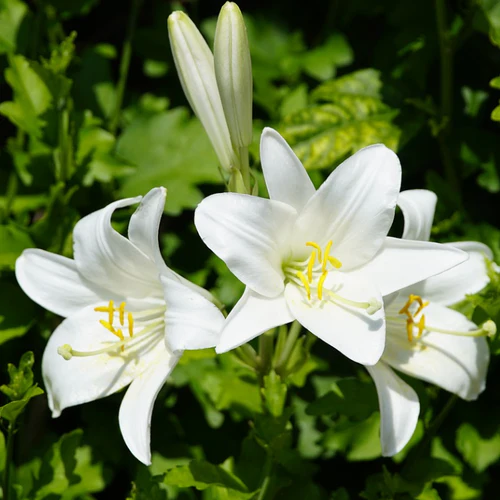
{"points": [[233, 69], [128, 316], [426, 339], [195, 66], [321, 257]]}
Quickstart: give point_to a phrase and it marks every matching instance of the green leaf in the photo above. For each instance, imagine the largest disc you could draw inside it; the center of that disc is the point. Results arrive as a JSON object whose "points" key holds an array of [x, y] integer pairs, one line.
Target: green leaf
{"points": [[201, 474], [495, 114], [352, 116], [473, 100], [12, 410], [95, 153], [17, 312], [31, 96], [495, 82], [13, 240], [3, 452], [491, 9], [21, 378], [12, 13], [349, 397], [478, 452], [72, 8], [172, 150], [67, 471], [357, 440], [274, 392]]}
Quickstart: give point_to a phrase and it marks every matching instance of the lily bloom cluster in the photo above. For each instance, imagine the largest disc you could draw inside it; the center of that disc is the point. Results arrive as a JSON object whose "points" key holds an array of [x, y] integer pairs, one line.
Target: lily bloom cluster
{"points": [[321, 257]]}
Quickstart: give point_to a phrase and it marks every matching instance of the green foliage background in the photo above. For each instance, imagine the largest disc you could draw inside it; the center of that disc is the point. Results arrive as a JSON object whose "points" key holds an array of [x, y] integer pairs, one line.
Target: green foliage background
{"points": [[81, 125]]}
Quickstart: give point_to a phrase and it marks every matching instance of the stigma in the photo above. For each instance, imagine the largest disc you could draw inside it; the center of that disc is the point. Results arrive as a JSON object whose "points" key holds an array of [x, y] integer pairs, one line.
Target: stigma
{"points": [[415, 328], [311, 274]]}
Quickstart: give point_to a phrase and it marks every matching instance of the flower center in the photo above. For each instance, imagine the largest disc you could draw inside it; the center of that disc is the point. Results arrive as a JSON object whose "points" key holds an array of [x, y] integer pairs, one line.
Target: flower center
{"points": [[415, 305], [148, 320], [312, 272]]}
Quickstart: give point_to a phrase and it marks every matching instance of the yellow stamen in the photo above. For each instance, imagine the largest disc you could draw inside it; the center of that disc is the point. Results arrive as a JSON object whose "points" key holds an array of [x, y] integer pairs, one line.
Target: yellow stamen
{"points": [[321, 281], [110, 309], [121, 311], [310, 266], [130, 324], [334, 262], [316, 246], [326, 255], [305, 283], [410, 320]]}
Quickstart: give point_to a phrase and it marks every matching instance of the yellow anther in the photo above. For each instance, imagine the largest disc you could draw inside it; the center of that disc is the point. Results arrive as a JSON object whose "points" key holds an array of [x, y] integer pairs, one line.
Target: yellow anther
{"points": [[310, 266], [302, 278], [130, 324], [107, 325], [326, 255], [334, 262], [121, 311], [321, 281], [110, 309], [410, 321], [316, 246], [421, 325]]}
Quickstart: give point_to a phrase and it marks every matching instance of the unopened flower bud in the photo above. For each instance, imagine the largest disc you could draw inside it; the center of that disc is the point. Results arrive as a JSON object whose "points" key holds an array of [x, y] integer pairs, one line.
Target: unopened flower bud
{"points": [[233, 70], [195, 66]]}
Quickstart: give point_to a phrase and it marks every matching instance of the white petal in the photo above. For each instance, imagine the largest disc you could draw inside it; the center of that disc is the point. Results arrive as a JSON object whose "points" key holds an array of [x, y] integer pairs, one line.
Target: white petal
{"points": [[145, 224], [83, 379], [399, 409], [418, 206], [457, 364], [354, 207], [468, 277], [108, 259], [401, 263], [137, 406], [192, 322], [349, 329], [54, 282], [252, 315], [286, 178], [250, 235]]}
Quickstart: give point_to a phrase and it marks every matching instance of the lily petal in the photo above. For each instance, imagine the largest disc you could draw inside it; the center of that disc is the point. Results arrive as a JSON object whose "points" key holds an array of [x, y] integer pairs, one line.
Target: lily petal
{"points": [[250, 235], [418, 207], [137, 406], [349, 329], [83, 379], [110, 260], [401, 263], [457, 364], [54, 282], [354, 207], [399, 409], [251, 316], [286, 178], [469, 277], [192, 321], [145, 223]]}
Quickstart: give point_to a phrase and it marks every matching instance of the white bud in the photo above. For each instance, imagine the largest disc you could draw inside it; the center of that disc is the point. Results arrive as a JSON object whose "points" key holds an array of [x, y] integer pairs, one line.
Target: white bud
{"points": [[233, 70], [195, 66]]}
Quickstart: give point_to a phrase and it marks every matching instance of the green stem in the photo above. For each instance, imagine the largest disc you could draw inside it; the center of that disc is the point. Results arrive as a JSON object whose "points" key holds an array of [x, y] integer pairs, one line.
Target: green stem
{"points": [[266, 482], [293, 335], [245, 169], [8, 461], [446, 52], [266, 347], [247, 354], [124, 65]]}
